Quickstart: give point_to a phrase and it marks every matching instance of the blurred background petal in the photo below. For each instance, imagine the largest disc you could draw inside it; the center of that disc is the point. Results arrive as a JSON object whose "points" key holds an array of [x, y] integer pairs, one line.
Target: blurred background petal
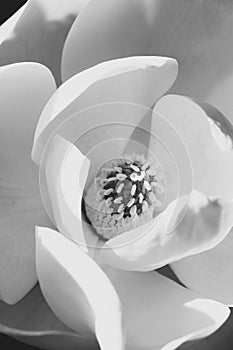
{"points": [[210, 272], [24, 89], [33, 322], [37, 33], [106, 30], [197, 33]]}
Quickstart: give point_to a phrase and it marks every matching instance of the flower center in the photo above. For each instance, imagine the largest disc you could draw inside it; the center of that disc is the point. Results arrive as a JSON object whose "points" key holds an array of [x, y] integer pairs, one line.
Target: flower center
{"points": [[125, 194]]}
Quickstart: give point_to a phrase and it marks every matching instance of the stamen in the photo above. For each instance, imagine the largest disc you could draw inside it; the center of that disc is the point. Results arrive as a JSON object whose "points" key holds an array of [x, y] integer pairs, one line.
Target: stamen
{"points": [[133, 210], [131, 202], [120, 208], [107, 192], [141, 197], [118, 200], [135, 168], [133, 189], [109, 179], [124, 195], [120, 188], [147, 185], [134, 177], [121, 177]]}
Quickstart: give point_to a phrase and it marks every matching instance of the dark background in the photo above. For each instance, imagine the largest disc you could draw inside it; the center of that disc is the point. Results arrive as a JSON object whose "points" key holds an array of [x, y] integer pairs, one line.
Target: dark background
{"points": [[8, 8]]}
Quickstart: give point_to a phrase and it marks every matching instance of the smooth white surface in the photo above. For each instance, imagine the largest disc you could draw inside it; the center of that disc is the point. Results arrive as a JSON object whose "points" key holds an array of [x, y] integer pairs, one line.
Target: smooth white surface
{"points": [[186, 227], [77, 290], [24, 90], [86, 297], [136, 80]]}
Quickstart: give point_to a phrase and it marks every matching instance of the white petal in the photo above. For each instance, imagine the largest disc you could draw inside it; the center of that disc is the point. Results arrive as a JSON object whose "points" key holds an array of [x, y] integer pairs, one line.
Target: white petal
{"points": [[198, 34], [207, 136], [63, 173], [37, 33], [107, 30], [210, 273], [86, 299], [77, 290], [24, 89], [32, 321], [187, 226], [134, 80], [160, 314]]}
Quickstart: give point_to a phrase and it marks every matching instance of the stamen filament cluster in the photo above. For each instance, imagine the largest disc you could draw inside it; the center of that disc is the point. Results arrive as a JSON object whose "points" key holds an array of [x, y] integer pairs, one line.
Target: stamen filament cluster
{"points": [[125, 194]]}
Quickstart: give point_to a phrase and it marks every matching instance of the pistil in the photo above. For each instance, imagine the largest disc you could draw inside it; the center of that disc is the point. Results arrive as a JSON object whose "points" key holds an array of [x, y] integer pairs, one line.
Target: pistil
{"points": [[125, 194]]}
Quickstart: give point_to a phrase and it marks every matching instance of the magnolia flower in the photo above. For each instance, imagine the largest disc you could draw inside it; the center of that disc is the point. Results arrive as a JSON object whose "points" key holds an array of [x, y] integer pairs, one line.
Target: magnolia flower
{"points": [[108, 290]]}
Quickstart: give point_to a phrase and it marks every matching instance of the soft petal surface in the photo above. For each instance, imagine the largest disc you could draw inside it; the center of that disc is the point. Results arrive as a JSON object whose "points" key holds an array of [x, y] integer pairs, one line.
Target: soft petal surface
{"points": [[188, 226], [37, 33], [208, 137], [32, 321], [78, 290], [210, 272], [104, 31], [146, 299], [24, 89], [136, 80], [197, 33], [160, 314], [63, 173]]}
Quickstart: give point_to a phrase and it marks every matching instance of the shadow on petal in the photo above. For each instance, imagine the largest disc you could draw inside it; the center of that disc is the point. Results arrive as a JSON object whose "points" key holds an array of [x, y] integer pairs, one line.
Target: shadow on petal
{"points": [[160, 314], [221, 339], [38, 34], [133, 80], [207, 135], [209, 273], [188, 226], [31, 321]]}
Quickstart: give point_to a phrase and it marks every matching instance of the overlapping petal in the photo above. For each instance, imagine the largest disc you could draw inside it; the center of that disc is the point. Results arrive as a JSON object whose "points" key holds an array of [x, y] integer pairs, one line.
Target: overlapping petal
{"points": [[146, 299], [200, 224], [210, 272], [32, 321], [78, 290], [199, 35], [189, 225], [135, 80], [105, 31], [196, 33], [24, 89], [63, 174], [37, 32], [208, 138]]}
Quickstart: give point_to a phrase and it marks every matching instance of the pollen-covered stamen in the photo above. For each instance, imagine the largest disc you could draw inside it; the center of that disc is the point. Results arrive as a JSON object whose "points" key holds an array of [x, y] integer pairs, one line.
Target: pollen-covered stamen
{"points": [[126, 194]]}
